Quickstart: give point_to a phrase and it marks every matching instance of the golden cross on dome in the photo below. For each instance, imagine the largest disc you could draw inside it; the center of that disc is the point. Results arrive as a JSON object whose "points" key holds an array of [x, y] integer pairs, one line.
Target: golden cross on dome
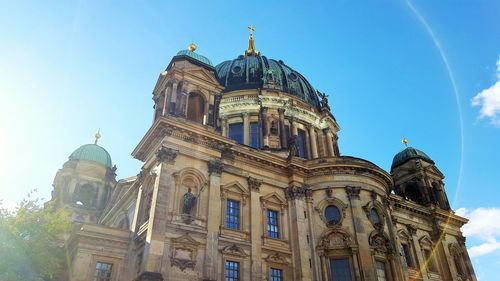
{"points": [[97, 135], [251, 29], [405, 141]]}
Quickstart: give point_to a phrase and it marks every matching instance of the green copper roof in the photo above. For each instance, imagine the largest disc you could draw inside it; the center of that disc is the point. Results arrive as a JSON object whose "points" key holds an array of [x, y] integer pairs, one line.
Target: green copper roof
{"points": [[195, 56], [92, 152], [407, 154]]}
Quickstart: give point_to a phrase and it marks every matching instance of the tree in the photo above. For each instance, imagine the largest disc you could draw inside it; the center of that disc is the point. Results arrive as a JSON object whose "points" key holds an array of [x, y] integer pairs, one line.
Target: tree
{"points": [[32, 241]]}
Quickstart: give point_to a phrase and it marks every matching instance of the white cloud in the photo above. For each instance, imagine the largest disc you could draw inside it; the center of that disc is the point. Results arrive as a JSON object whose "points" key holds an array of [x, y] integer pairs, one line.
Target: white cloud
{"points": [[10, 206], [484, 227], [489, 100]]}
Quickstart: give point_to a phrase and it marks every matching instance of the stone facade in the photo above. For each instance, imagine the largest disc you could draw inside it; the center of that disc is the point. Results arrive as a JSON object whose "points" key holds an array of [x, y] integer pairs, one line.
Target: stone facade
{"points": [[334, 214]]}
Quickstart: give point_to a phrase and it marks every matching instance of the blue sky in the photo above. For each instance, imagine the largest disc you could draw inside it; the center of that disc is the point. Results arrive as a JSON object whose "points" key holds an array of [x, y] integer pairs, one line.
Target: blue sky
{"points": [[68, 68]]}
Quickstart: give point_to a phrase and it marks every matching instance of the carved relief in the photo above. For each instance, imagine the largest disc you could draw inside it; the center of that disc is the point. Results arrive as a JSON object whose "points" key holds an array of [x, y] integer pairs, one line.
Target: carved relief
{"points": [[166, 155], [380, 243], [277, 258], [334, 239], [234, 250], [184, 252]]}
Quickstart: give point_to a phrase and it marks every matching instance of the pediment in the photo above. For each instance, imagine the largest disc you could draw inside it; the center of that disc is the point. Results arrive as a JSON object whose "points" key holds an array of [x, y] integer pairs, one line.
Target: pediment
{"points": [[185, 240], [235, 187], [273, 198], [202, 74]]}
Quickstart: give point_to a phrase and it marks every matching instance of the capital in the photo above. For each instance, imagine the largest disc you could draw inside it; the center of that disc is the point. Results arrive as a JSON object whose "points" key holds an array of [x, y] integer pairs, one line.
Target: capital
{"points": [[166, 155], [215, 167]]}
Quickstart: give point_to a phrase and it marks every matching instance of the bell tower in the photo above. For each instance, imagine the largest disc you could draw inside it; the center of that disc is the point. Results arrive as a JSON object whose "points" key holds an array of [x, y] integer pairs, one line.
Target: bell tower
{"points": [[417, 178], [85, 182]]}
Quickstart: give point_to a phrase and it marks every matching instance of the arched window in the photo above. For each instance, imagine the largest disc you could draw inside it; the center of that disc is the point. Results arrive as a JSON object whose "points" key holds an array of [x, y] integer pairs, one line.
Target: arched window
{"points": [[301, 144], [84, 195], [374, 217], [332, 215], [196, 108]]}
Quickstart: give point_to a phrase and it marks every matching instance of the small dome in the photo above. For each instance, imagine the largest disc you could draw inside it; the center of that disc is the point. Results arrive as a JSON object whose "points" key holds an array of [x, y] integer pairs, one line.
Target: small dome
{"points": [[92, 152], [252, 72], [194, 56], [407, 154]]}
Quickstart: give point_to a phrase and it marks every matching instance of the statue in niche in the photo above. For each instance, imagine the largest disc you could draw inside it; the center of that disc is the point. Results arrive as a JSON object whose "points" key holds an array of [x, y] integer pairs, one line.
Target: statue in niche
{"points": [[188, 202], [292, 147]]}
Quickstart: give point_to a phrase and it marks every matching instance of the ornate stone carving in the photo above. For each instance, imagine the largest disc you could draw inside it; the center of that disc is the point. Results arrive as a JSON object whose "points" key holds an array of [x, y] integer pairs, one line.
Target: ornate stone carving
{"points": [[353, 192], [411, 229], [184, 252], [329, 192], [296, 192], [254, 184], [334, 239], [227, 153], [380, 243], [234, 250], [215, 167], [277, 258], [166, 155]]}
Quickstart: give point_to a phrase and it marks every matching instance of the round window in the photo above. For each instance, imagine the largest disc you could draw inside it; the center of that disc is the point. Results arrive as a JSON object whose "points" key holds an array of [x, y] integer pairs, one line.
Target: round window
{"points": [[332, 215], [374, 217], [237, 69], [293, 76]]}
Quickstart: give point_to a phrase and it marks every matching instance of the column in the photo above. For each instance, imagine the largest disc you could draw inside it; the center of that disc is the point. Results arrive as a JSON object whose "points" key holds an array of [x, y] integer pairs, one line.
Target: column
{"points": [[246, 128], [298, 231], [166, 100], [264, 126], [224, 127], [294, 127], [314, 142], [257, 215], [283, 136], [329, 143], [361, 236], [215, 168], [173, 99], [155, 234]]}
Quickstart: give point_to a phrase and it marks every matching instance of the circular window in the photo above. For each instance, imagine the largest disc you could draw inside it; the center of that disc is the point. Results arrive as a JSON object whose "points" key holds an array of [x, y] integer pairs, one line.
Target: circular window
{"points": [[237, 69], [374, 217], [293, 76], [332, 215]]}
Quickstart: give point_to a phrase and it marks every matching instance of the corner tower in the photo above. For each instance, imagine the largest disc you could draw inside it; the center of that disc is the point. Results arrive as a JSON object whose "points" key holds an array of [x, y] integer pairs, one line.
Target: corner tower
{"points": [[85, 182], [417, 178]]}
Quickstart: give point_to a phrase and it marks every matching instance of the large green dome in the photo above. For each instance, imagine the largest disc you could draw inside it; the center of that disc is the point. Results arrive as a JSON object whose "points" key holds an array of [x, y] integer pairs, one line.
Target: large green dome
{"points": [[407, 154], [251, 72], [92, 152]]}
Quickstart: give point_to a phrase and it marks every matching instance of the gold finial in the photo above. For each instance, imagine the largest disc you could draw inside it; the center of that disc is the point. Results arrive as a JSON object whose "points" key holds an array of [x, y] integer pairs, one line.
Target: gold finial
{"points": [[251, 44], [405, 141], [192, 47], [97, 136]]}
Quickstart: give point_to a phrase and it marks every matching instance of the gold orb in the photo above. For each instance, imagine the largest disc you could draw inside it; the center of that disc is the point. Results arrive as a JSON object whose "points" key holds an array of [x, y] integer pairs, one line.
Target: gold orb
{"points": [[192, 47]]}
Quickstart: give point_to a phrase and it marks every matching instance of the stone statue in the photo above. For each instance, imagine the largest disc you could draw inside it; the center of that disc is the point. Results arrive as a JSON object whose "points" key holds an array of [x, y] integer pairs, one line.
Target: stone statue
{"points": [[324, 99], [189, 201], [292, 147]]}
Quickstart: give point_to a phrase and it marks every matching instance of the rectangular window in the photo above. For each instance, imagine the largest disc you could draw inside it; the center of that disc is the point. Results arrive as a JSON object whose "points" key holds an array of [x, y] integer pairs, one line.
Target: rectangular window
{"points": [[275, 274], [236, 132], [405, 252], [380, 268], [232, 271], [301, 144], [254, 135], [273, 229], [340, 269], [103, 271], [233, 214]]}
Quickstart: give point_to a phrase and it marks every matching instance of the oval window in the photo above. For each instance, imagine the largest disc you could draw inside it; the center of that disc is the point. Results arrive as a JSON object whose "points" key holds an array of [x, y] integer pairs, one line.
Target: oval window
{"points": [[293, 76], [237, 69], [332, 215], [374, 217]]}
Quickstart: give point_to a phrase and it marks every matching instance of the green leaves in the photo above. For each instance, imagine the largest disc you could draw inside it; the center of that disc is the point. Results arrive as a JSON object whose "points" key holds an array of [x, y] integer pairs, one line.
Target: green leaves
{"points": [[32, 241]]}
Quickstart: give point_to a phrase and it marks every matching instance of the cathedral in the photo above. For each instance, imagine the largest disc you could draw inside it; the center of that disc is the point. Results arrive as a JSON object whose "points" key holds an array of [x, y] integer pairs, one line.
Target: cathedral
{"points": [[243, 179]]}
